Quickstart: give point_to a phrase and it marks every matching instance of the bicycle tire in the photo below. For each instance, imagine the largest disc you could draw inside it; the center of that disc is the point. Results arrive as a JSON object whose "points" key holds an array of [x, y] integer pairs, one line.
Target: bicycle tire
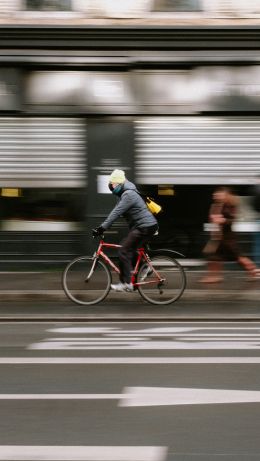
{"points": [[169, 269], [82, 290]]}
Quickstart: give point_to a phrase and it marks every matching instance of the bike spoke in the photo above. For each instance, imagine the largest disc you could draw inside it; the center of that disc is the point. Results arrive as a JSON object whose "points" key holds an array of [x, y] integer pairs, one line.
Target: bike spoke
{"points": [[164, 282], [86, 283]]}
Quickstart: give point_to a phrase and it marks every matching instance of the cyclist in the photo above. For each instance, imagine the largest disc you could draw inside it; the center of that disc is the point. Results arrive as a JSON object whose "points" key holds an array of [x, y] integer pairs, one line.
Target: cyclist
{"points": [[142, 224]]}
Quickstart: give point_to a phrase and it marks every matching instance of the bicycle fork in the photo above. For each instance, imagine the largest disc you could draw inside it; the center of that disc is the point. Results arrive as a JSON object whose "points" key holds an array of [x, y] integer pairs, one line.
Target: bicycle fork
{"points": [[93, 267]]}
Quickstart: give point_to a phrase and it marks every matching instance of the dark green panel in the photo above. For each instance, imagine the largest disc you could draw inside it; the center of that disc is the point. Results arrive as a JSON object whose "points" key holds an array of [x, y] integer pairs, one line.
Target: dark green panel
{"points": [[110, 146], [177, 5], [48, 5]]}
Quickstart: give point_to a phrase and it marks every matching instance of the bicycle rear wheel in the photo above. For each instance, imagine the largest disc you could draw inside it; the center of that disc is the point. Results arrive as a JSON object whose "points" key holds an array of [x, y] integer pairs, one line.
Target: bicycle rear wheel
{"points": [[172, 280], [82, 284]]}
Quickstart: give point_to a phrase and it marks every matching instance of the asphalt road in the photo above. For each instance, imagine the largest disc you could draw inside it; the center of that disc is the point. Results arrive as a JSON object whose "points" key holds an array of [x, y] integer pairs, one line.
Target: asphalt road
{"points": [[130, 391]]}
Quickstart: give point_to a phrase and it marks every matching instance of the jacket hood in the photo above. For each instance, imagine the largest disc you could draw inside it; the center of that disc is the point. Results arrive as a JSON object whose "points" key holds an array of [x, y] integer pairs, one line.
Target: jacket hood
{"points": [[128, 185]]}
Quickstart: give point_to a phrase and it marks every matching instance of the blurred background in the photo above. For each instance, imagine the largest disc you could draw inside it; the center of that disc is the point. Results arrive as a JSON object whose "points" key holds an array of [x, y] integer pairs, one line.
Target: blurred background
{"points": [[168, 90]]}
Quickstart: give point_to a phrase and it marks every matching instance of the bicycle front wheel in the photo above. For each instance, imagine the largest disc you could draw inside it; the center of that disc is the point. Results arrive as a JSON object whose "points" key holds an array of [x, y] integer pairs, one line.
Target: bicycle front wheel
{"points": [[86, 281], [168, 287]]}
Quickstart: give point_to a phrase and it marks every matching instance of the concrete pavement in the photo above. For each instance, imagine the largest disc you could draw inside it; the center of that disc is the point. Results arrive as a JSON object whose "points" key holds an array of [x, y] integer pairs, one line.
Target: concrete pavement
{"points": [[39, 296], [46, 286]]}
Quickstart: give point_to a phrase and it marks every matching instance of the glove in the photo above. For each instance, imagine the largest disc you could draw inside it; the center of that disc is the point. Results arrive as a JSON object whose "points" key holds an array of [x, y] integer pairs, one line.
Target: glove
{"points": [[98, 231]]}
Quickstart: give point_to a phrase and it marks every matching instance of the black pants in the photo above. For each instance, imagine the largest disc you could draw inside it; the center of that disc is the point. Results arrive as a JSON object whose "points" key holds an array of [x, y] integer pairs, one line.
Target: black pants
{"points": [[128, 250]]}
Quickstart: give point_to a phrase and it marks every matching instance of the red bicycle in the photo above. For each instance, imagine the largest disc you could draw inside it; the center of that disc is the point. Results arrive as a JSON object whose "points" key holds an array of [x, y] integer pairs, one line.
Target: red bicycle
{"points": [[159, 277]]}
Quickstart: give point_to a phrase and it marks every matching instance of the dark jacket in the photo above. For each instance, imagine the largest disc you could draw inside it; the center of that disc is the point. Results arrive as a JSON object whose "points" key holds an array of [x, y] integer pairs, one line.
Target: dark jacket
{"points": [[132, 207]]}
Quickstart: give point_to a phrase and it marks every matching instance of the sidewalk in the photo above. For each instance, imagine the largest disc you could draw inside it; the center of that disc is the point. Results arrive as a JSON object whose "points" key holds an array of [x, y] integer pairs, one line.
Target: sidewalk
{"points": [[46, 286], [38, 297]]}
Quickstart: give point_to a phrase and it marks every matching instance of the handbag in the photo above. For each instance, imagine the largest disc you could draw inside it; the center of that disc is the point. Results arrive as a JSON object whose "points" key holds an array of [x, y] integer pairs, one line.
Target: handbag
{"points": [[152, 206]]}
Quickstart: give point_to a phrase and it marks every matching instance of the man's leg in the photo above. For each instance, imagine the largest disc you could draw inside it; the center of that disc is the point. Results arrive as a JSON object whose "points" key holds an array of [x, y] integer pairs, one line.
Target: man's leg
{"points": [[126, 254], [214, 272]]}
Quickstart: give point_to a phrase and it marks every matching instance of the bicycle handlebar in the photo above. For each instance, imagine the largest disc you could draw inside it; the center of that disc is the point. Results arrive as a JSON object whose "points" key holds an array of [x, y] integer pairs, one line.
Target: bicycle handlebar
{"points": [[96, 234]]}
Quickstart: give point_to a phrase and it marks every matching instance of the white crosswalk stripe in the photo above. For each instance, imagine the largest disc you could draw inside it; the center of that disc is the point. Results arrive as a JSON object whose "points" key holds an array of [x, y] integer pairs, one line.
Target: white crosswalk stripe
{"points": [[164, 338], [126, 360], [88, 453]]}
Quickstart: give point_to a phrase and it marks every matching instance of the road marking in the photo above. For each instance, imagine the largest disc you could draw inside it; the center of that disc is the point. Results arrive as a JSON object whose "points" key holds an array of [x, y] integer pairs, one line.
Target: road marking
{"points": [[124, 338], [196, 344], [167, 338], [157, 396], [126, 360], [110, 330], [74, 453], [176, 335], [154, 396], [60, 397], [159, 330]]}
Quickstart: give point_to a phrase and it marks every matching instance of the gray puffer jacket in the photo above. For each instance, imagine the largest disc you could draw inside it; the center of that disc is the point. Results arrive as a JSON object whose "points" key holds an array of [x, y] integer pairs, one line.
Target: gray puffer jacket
{"points": [[132, 207]]}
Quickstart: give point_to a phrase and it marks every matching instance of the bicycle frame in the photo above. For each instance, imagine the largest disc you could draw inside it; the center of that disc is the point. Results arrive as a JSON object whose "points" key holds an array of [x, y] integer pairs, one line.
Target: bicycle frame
{"points": [[141, 256]]}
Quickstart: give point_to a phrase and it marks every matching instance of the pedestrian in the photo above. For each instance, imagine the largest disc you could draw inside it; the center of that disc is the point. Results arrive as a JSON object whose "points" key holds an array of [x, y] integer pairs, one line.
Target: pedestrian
{"points": [[142, 224], [222, 244], [256, 208]]}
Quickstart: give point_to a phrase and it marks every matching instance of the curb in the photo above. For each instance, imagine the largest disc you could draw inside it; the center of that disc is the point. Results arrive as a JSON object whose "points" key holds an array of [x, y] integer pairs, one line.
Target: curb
{"points": [[116, 318], [205, 304], [188, 295]]}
